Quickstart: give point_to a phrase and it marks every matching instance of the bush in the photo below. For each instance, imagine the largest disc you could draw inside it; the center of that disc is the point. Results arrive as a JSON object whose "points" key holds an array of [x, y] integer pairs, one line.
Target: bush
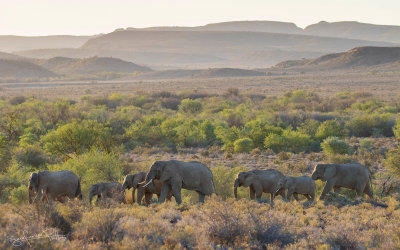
{"points": [[19, 195], [330, 128], [224, 178], [244, 145], [333, 145], [392, 161], [30, 155], [190, 106], [289, 141], [369, 125], [76, 138], [309, 127], [396, 129]]}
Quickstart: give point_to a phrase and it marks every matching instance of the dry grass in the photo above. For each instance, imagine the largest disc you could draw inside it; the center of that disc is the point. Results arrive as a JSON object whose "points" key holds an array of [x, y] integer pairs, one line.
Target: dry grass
{"points": [[382, 85]]}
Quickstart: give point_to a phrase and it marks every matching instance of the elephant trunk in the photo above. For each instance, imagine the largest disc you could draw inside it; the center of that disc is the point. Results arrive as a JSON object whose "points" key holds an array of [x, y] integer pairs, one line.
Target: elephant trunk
{"points": [[235, 188]]}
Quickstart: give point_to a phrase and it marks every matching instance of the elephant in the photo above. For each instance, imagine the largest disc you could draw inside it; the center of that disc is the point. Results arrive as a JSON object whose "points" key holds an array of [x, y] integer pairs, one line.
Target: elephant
{"points": [[176, 175], [352, 176], [53, 185], [297, 185], [259, 181], [102, 190], [133, 180]]}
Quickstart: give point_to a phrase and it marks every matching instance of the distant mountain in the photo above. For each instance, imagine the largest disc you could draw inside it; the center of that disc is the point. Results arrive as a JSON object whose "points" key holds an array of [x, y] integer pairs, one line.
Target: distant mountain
{"points": [[362, 57], [20, 69], [196, 74], [17, 43], [252, 26], [94, 65], [355, 30]]}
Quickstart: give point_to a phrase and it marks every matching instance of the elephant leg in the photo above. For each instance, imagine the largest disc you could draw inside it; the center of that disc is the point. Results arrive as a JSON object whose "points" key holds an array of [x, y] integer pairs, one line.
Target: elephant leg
{"points": [[169, 196], [336, 189], [252, 193], [296, 196], [368, 191], [359, 189], [176, 191], [165, 190], [328, 187], [147, 197], [289, 194], [140, 193], [133, 195], [201, 197]]}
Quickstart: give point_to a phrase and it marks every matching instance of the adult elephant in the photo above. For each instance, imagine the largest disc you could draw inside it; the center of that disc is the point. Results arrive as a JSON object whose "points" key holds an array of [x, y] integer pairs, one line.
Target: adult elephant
{"points": [[53, 185], [176, 175], [103, 190], [259, 182], [133, 180], [352, 176]]}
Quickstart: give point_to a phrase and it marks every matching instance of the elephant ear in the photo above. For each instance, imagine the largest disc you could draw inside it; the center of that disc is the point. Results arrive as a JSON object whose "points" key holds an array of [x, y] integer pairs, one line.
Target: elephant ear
{"points": [[247, 176], [330, 171], [166, 171]]}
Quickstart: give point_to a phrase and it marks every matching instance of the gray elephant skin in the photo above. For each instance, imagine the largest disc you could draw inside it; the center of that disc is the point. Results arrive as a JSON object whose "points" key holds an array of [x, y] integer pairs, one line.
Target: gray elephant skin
{"points": [[259, 182], [352, 176], [133, 180], [176, 175], [53, 185], [104, 190], [297, 185]]}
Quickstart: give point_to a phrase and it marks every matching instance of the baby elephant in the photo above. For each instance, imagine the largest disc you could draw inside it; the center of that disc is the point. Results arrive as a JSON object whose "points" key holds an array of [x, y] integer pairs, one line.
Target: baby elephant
{"points": [[103, 190], [297, 185]]}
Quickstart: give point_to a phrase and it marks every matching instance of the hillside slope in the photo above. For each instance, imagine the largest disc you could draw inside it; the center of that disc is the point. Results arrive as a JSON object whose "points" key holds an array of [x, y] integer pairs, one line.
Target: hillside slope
{"points": [[360, 57], [72, 66], [20, 69]]}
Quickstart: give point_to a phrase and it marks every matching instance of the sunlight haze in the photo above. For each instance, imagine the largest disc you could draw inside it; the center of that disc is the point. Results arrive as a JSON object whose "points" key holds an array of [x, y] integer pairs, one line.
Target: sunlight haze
{"points": [[50, 17]]}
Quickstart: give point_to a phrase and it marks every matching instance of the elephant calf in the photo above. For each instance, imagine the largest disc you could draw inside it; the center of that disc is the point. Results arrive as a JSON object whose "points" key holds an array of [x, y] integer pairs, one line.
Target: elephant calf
{"points": [[352, 176], [133, 181], [297, 185], [54, 185], [259, 181], [103, 190]]}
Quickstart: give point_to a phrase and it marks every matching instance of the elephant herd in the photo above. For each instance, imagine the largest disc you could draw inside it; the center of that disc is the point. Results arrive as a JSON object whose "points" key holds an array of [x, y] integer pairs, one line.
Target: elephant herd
{"points": [[167, 178]]}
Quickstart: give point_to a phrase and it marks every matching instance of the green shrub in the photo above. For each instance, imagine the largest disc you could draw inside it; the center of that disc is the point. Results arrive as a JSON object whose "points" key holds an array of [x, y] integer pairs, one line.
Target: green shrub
{"points": [[333, 145], [369, 125], [396, 129], [392, 161], [190, 106], [147, 130], [76, 138], [289, 141], [330, 128], [19, 195], [309, 127], [244, 145], [30, 155], [224, 178]]}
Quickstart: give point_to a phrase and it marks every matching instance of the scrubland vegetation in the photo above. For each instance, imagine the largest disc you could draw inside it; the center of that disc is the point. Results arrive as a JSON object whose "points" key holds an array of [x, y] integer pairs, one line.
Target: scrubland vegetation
{"points": [[103, 138]]}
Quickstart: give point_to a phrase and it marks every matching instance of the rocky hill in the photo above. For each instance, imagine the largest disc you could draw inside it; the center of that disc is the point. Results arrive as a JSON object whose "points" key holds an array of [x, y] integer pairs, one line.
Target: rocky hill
{"points": [[361, 57]]}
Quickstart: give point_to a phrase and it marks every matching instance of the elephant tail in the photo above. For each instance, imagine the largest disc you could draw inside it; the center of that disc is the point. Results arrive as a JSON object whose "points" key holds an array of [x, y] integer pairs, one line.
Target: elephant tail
{"points": [[78, 192]]}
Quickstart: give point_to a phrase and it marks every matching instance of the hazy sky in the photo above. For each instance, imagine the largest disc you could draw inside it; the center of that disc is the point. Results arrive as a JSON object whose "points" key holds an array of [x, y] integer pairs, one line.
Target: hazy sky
{"points": [[44, 17]]}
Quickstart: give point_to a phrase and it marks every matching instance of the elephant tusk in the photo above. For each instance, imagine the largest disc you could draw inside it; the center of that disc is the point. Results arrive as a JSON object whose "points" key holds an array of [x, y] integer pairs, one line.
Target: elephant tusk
{"points": [[148, 183]]}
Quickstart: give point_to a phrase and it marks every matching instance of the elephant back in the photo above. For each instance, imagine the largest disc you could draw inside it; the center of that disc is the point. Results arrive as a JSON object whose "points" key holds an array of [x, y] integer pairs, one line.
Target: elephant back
{"points": [[60, 183]]}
